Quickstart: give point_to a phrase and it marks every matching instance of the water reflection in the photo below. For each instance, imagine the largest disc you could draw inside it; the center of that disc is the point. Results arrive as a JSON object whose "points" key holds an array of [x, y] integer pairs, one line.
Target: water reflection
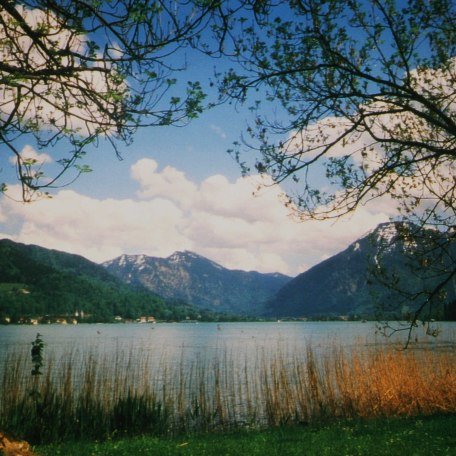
{"points": [[174, 341]]}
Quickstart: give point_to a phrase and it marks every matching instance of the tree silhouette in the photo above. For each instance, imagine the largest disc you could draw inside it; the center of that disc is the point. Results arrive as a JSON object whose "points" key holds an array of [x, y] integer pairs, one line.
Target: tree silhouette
{"points": [[366, 97], [73, 72]]}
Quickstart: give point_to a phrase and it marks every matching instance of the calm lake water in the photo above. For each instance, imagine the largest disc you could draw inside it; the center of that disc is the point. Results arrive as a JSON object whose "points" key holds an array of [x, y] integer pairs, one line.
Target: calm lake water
{"points": [[175, 341]]}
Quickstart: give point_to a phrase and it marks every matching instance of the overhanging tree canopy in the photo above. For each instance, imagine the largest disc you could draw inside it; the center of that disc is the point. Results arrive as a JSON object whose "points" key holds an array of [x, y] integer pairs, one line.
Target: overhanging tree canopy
{"points": [[74, 71], [367, 90]]}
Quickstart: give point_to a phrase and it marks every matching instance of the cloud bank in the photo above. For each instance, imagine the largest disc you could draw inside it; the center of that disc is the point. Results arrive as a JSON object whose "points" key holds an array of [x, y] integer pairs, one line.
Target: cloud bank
{"points": [[225, 221]]}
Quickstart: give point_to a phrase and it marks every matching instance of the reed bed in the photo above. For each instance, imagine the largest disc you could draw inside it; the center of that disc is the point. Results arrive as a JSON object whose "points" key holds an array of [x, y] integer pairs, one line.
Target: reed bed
{"points": [[90, 396]]}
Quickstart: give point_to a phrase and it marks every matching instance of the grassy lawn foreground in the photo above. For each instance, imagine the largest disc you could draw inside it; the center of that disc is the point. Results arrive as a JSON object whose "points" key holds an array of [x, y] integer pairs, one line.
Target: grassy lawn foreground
{"points": [[408, 436]]}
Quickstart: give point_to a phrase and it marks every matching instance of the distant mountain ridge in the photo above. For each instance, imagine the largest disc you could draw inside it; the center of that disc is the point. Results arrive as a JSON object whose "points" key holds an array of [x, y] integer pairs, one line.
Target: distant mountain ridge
{"points": [[199, 281], [344, 285], [39, 282]]}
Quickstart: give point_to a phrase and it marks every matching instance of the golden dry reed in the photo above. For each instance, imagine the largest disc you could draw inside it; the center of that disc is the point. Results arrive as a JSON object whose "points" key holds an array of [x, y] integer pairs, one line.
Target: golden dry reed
{"points": [[98, 396]]}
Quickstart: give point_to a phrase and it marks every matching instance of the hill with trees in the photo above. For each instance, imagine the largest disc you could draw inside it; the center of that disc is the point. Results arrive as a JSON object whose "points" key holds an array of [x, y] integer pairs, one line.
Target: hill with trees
{"points": [[38, 282]]}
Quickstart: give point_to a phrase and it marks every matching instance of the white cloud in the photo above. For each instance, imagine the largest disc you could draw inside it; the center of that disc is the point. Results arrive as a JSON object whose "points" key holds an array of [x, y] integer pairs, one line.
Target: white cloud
{"points": [[100, 229], [247, 260], [384, 120], [29, 153], [169, 183], [217, 218]]}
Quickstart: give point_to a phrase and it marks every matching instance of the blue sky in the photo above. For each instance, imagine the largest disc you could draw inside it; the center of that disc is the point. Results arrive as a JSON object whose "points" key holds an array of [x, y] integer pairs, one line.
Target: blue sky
{"points": [[178, 189]]}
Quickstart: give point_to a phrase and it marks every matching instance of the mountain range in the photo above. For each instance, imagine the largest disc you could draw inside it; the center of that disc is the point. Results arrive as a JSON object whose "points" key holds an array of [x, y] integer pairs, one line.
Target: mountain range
{"points": [[39, 281], [200, 282]]}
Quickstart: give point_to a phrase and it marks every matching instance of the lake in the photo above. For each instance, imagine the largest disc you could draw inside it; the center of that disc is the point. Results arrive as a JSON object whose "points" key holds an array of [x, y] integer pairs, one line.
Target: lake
{"points": [[199, 376], [176, 340]]}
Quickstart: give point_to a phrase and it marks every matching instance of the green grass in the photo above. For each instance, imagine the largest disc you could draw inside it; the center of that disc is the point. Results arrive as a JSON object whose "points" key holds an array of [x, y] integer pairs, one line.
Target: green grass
{"points": [[435, 435]]}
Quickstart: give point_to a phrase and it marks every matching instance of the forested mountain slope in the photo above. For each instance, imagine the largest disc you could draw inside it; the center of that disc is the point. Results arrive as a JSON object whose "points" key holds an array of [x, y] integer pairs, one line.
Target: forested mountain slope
{"points": [[380, 275], [35, 281]]}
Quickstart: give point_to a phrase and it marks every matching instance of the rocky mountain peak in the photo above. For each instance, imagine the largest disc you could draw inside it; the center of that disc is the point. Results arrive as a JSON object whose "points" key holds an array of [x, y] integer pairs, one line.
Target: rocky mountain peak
{"points": [[184, 255], [190, 277]]}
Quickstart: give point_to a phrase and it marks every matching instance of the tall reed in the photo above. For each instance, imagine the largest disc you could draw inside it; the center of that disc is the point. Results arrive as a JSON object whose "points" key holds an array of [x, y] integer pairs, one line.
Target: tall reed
{"points": [[84, 395]]}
